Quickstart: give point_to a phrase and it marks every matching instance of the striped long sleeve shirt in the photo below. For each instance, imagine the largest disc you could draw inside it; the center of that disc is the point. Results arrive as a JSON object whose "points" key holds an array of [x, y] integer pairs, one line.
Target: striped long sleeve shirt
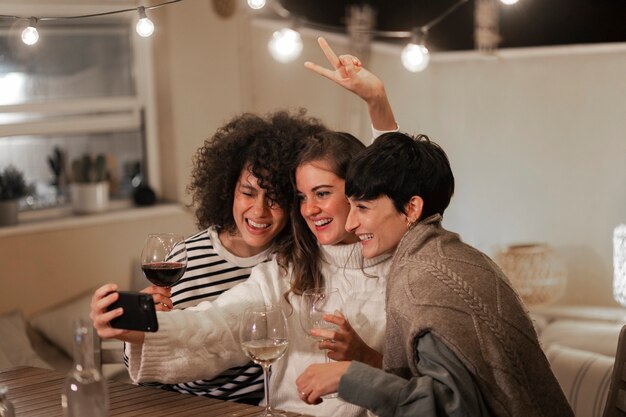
{"points": [[211, 270]]}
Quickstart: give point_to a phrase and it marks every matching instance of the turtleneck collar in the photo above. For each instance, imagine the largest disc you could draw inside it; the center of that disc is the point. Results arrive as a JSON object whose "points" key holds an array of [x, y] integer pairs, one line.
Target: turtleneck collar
{"points": [[350, 256]]}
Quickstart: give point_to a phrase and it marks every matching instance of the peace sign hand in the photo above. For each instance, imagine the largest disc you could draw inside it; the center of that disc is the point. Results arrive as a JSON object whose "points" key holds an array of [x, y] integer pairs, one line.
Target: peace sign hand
{"points": [[349, 73]]}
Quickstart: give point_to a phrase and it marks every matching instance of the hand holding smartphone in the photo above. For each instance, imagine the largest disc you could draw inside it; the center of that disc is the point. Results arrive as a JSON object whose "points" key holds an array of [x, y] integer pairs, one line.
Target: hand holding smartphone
{"points": [[139, 312]]}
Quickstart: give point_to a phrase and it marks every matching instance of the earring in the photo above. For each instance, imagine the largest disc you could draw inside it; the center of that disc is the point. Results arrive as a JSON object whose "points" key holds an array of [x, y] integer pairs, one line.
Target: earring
{"points": [[409, 222]]}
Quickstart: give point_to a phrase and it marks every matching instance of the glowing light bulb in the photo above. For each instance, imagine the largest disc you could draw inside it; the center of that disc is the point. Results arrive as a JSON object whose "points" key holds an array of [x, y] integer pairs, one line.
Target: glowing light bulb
{"points": [[144, 26], [30, 36], [285, 45], [256, 4], [509, 2], [415, 57]]}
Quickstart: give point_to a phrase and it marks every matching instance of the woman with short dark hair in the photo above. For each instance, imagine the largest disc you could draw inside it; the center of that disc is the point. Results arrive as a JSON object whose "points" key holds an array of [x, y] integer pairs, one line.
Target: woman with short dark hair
{"points": [[458, 340]]}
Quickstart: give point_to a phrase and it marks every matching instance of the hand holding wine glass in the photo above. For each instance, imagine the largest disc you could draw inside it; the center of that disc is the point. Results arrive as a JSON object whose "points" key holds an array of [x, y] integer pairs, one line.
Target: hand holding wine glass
{"points": [[315, 303], [164, 258], [263, 337]]}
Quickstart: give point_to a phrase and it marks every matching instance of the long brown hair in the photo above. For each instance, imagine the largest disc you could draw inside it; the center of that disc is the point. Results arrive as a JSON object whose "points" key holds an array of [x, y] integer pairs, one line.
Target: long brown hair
{"points": [[303, 252]]}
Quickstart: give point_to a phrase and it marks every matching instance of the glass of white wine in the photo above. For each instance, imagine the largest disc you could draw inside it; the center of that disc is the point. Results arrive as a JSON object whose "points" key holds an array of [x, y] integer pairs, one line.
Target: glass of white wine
{"points": [[263, 336]]}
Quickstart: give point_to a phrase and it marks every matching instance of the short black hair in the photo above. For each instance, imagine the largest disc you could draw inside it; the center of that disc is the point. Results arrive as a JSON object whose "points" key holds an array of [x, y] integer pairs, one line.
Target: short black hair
{"points": [[400, 166]]}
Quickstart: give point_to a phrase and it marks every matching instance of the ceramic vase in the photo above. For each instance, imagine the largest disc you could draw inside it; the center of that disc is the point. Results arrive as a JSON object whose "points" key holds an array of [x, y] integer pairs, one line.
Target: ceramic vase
{"points": [[88, 198]]}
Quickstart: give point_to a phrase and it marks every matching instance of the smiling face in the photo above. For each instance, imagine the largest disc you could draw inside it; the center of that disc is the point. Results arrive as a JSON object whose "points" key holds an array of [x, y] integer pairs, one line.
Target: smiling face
{"points": [[323, 204], [258, 220], [377, 224]]}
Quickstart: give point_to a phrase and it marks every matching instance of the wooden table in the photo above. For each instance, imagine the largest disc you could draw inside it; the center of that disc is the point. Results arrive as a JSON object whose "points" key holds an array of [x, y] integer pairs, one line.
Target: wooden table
{"points": [[36, 392]]}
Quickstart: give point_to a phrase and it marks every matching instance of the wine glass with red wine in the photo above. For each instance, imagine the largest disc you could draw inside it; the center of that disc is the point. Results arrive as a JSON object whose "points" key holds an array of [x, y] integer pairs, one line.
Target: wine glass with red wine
{"points": [[164, 258]]}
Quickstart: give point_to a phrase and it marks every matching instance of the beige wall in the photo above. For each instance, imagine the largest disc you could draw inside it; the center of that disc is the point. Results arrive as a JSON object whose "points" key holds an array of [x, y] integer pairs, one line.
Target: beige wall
{"points": [[197, 71]]}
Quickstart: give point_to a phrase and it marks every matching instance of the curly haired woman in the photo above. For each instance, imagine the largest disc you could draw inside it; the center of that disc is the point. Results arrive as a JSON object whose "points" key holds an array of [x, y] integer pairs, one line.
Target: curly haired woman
{"points": [[242, 193]]}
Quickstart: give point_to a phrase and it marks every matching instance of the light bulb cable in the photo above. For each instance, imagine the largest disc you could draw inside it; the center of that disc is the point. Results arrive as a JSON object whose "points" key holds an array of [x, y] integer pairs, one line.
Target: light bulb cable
{"points": [[84, 16], [398, 34]]}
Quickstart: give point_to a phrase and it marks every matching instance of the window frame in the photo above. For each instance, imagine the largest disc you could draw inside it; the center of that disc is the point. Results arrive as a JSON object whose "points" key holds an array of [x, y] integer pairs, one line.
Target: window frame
{"points": [[137, 111]]}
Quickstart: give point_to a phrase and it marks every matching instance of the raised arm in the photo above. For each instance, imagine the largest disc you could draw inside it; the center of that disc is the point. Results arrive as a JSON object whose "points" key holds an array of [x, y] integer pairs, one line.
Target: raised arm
{"points": [[349, 73]]}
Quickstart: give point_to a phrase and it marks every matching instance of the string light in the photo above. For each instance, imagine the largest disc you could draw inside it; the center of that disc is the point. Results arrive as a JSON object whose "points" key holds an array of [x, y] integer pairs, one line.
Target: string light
{"points": [[30, 36], [144, 26], [256, 4], [285, 45], [415, 57]]}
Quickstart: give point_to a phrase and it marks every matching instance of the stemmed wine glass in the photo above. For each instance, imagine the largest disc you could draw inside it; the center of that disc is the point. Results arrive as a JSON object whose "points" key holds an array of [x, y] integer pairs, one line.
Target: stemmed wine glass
{"points": [[263, 337], [315, 303], [164, 258]]}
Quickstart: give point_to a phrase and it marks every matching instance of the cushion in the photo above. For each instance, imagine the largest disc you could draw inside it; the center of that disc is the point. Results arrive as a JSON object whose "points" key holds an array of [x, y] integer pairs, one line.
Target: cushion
{"points": [[598, 337], [15, 347], [57, 323], [584, 377], [47, 351]]}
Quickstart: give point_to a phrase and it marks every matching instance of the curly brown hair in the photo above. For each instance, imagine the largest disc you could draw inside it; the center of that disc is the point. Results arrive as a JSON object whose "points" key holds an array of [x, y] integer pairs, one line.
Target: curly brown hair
{"points": [[267, 145]]}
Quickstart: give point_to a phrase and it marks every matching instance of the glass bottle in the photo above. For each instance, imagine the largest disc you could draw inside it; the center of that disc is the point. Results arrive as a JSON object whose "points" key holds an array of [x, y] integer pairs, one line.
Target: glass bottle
{"points": [[6, 408], [84, 391]]}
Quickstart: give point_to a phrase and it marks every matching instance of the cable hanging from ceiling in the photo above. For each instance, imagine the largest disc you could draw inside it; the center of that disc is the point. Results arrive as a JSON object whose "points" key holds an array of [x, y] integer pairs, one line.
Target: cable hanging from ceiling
{"points": [[285, 45], [144, 26]]}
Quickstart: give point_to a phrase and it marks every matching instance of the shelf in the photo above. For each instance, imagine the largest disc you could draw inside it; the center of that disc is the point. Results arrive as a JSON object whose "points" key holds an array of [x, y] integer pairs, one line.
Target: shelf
{"points": [[62, 218]]}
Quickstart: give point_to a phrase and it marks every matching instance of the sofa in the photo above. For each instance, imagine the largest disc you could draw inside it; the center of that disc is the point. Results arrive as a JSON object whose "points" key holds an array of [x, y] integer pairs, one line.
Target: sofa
{"points": [[45, 339], [580, 343]]}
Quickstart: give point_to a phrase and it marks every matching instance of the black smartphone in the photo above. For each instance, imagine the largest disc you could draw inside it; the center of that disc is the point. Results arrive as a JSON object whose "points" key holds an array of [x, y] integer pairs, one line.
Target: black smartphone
{"points": [[139, 312]]}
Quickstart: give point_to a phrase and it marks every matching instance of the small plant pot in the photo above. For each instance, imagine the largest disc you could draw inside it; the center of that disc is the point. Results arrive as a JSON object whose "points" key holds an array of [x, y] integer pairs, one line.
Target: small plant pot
{"points": [[88, 198], [8, 212]]}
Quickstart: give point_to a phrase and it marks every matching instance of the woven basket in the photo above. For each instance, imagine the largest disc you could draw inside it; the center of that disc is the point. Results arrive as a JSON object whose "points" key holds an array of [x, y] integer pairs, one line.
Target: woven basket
{"points": [[535, 271]]}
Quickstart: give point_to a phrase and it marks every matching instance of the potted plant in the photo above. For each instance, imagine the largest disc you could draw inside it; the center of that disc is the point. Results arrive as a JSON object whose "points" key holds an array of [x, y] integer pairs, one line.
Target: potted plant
{"points": [[12, 188], [90, 186]]}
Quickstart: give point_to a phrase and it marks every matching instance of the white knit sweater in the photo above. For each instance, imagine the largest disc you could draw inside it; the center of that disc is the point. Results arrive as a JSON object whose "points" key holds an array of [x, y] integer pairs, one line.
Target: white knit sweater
{"points": [[203, 341]]}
